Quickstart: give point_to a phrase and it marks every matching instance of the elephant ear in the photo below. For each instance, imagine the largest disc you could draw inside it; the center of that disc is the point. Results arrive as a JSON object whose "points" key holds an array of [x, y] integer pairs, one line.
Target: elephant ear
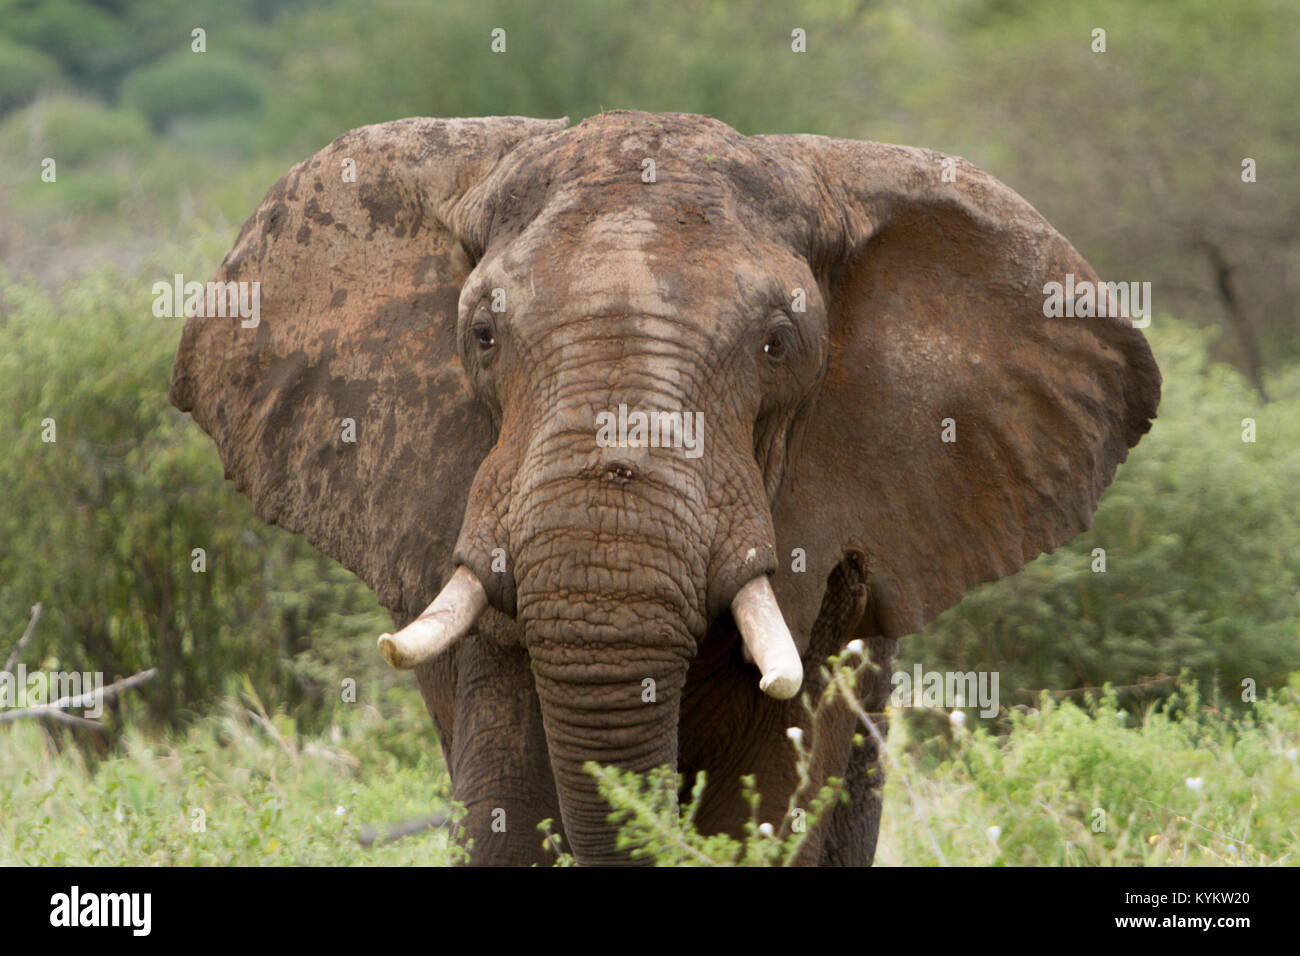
{"points": [[343, 413], [935, 294]]}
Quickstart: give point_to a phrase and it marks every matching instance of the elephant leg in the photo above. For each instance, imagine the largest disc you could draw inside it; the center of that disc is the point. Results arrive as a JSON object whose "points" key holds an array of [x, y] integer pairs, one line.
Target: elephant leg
{"points": [[437, 682], [496, 754], [855, 826]]}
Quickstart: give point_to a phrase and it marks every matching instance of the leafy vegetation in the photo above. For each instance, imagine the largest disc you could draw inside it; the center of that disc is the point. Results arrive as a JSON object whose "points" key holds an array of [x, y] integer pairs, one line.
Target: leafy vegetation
{"points": [[104, 521], [1180, 785], [238, 786]]}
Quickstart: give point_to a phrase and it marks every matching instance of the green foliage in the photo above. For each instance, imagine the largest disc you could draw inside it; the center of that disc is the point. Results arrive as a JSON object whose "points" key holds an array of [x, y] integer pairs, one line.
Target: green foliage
{"points": [[95, 44], [187, 84], [351, 64], [1183, 784], [101, 523], [239, 787], [272, 795], [24, 73], [73, 131], [82, 36], [651, 825], [1066, 785]]}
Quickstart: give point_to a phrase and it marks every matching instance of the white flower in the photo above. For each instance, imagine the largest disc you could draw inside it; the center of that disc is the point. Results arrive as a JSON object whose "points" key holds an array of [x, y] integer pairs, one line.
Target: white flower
{"points": [[767, 829], [795, 734], [856, 647], [958, 719], [339, 811], [994, 832], [1292, 754], [1195, 784]]}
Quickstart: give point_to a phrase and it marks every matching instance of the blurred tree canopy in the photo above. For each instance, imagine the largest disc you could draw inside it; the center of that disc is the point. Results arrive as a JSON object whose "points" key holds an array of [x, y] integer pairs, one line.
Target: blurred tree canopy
{"points": [[1135, 153]]}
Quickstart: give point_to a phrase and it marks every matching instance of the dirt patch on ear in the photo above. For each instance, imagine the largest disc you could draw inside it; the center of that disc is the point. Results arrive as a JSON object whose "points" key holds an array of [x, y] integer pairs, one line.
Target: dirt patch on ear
{"points": [[691, 214]]}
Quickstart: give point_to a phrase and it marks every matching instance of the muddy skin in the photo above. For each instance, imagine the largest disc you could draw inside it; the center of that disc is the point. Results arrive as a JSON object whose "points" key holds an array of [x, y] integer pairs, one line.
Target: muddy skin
{"points": [[488, 288]]}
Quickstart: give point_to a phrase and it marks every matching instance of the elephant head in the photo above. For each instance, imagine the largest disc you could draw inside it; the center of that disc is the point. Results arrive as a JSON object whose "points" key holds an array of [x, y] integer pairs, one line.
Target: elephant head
{"points": [[857, 339]]}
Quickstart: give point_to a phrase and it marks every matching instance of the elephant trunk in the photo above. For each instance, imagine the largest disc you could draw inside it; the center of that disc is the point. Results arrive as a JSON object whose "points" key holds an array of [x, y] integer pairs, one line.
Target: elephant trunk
{"points": [[620, 554], [616, 705], [610, 582]]}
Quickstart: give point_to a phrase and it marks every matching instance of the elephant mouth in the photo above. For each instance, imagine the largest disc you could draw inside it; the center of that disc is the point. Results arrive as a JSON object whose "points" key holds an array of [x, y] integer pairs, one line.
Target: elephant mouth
{"points": [[767, 639]]}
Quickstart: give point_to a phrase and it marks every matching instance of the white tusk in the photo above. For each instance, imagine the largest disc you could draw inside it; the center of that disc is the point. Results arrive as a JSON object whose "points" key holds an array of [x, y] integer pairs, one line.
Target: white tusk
{"points": [[452, 613], [767, 639]]}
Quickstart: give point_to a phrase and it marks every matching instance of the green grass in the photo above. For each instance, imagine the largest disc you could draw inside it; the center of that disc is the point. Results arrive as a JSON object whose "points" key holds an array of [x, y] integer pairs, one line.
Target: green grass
{"points": [[271, 797], [1183, 785], [267, 797]]}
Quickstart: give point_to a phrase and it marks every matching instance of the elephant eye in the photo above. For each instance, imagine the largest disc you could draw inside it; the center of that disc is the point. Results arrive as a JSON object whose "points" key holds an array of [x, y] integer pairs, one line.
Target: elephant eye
{"points": [[777, 343], [483, 336]]}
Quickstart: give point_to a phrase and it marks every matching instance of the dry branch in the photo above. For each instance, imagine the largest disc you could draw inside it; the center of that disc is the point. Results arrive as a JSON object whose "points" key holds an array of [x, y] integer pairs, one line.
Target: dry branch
{"points": [[370, 835], [56, 709], [12, 659], [1124, 688]]}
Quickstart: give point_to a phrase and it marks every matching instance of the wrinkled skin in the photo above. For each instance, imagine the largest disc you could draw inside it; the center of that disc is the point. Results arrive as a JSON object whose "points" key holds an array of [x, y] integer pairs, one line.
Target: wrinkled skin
{"points": [[476, 433]]}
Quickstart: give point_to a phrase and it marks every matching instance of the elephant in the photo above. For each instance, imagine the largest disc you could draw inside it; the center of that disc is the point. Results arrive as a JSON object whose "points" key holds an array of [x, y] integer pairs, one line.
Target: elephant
{"points": [[887, 416]]}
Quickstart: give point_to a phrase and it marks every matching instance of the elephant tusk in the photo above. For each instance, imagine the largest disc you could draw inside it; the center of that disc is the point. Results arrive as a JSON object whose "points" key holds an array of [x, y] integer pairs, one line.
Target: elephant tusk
{"points": [[445, 621], [767, 639]]}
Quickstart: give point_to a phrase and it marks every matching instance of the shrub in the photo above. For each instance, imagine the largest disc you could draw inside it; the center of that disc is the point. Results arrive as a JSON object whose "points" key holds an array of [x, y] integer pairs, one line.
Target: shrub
{"points": [[192, 84], [24, 74], [100, 525], [72, 130]]}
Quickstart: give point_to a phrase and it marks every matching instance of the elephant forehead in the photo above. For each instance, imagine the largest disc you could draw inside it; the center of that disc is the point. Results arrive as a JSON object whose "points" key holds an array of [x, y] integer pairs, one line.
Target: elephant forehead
{"points": [[617, 267], [623, 260]]}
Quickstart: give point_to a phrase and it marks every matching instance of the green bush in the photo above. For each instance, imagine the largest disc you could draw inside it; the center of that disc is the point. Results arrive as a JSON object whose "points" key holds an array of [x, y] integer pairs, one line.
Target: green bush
{"points": [[1182, 784], [349, 64], [192, 84], [73, 131], [24, 74], [100, 524], [86, 39], [241, 786]]}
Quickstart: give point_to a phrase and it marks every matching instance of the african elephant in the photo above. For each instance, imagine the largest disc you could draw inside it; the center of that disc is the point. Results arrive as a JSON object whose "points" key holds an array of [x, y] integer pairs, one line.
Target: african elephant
{"points": [[480, 296]]}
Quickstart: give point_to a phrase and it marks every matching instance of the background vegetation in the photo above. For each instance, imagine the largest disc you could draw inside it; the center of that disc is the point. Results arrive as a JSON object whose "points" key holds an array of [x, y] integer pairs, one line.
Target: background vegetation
{"points": [[1135, 154]]}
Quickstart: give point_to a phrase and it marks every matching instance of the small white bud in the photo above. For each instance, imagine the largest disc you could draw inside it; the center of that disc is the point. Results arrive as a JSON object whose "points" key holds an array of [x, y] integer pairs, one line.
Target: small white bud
{"points": [[856, 647], [1195, 784], [795, 734], [994, 832], [1292, 754], [958, 719], [767, 829]]}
